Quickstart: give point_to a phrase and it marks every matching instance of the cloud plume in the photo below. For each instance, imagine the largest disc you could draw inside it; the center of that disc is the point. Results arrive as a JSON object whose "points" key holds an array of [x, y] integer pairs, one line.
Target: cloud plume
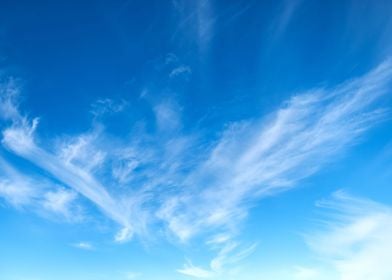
{"points": [[188, 185]]}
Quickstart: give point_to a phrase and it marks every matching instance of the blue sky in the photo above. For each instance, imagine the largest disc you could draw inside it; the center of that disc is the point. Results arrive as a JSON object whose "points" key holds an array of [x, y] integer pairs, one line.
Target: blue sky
{"points": [[205, 139]]}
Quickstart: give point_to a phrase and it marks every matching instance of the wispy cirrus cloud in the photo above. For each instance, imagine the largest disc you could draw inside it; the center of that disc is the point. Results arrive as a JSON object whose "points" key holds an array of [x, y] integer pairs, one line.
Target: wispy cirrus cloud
{"points": [[84, 246], [107, 106], [62, 202], [15, 188], [257, 158], [194, 271], [20, 140], [197, 20], [289, 9], [188, 185], [19, 137], [9, 98], [181, 70], [354, 242], [39, 194], [228, 256], [254, 159]]}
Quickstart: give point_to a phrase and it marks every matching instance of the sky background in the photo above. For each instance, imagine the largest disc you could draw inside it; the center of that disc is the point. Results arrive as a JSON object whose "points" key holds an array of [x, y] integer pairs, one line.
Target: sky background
{"points": [[198, 139]]}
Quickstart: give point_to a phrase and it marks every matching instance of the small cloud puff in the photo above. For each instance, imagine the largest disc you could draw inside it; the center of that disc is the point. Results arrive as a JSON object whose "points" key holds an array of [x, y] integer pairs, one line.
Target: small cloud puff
{"points": [[84, 246]]}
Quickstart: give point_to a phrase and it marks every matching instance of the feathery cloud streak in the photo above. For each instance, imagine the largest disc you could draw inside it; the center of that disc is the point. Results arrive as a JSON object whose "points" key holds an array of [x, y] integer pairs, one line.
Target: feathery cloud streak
{"points": [[167, 177], [356, 241]]}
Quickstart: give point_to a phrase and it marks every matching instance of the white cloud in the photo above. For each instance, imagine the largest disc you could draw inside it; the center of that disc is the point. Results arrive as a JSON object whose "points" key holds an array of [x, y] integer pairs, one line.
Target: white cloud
{"points": [[62, 202], [106, 106], [198, 19], [20, 140], [21, 190], [9, 94], [38, 194], [180, 71], [84, 246], [194, 271], [124, 235], [167, 116], [190, 185], [15, 188], [68, 174], [81, 150], [219, 238], [205, 23], [285, 17], [356, 242], [229, 254], [257, 158]]}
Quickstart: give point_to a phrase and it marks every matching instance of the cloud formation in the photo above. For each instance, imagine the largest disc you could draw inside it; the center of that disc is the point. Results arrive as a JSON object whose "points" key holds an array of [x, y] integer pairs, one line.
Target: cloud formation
{"points": [[185, 184], [84, 246], [262, 157], [356, 241]]}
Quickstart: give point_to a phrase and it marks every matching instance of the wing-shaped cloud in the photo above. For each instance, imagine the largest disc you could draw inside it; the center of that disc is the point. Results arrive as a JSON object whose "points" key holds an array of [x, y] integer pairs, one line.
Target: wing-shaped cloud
{"points": [[189, 185], [262, 157], [356, 242]]}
